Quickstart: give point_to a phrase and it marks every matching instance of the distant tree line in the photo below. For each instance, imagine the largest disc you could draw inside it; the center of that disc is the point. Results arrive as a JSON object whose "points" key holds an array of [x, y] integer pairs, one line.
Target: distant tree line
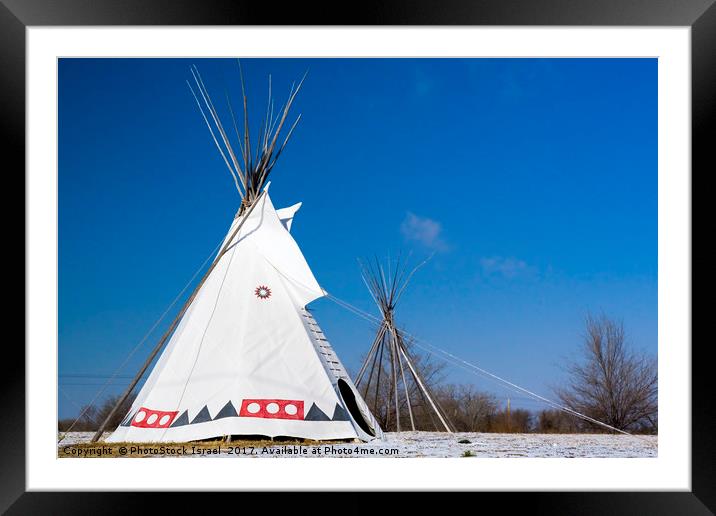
{"points": [[473, 411], [91, 417], [609, 382]]}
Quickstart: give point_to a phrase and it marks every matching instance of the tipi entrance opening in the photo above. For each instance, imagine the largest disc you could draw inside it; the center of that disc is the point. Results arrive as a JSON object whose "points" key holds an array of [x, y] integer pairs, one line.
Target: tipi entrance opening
{"points": [[349, 400]]}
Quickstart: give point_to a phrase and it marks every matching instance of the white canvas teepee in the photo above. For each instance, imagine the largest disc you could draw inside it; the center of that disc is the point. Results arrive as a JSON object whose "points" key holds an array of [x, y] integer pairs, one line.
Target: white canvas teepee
{"points": [[247, 358], [244, 356]]}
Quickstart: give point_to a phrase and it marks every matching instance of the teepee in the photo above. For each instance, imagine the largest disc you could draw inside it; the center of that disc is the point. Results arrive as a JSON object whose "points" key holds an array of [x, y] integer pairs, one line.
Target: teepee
{"points": [[394, 383], [244, 356]]}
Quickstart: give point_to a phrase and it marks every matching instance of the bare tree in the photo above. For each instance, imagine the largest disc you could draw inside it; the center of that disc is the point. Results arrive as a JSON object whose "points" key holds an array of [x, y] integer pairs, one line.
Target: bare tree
{"points": [[469, 409], [507, 421], [552, 421], [612, 383], [92, 416]]}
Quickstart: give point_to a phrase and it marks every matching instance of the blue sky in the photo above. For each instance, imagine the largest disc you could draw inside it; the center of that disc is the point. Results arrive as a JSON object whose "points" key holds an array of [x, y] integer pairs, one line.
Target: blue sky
{"points": [[534, 182]]}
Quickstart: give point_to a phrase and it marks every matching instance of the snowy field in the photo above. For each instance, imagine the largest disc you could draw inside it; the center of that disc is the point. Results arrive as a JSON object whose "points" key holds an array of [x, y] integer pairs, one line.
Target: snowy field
{"points": [[427, 444]]}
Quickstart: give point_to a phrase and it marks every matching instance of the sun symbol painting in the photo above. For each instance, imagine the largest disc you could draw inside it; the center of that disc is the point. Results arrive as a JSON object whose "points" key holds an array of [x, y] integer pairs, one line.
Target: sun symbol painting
{"points": [[262, 292]]}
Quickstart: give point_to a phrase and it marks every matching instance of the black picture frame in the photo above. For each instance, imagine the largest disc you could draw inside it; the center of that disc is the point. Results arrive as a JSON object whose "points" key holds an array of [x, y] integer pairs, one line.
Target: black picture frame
{"points": [[700, 15]]}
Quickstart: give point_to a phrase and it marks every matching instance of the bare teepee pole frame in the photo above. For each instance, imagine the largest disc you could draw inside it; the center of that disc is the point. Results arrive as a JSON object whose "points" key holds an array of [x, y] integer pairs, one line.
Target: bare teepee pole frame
{"points": [[249, 179], [407, 393], [376, 343], [386, 290]]}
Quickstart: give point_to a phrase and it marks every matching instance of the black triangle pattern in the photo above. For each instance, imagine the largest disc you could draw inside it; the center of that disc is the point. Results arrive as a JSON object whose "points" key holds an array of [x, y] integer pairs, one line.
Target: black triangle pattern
{"points": [[316, 414], [181, 420], [227, 411], [202, 417], [340, 414]]}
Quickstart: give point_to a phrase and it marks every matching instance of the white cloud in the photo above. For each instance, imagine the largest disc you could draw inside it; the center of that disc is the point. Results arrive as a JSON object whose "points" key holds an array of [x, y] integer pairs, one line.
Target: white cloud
{"points": [[425, 231], [505, 267]]}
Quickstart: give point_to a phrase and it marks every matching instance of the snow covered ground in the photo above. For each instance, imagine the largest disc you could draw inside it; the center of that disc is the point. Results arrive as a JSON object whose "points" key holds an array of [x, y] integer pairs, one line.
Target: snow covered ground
{"points": [[436, 444]]}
